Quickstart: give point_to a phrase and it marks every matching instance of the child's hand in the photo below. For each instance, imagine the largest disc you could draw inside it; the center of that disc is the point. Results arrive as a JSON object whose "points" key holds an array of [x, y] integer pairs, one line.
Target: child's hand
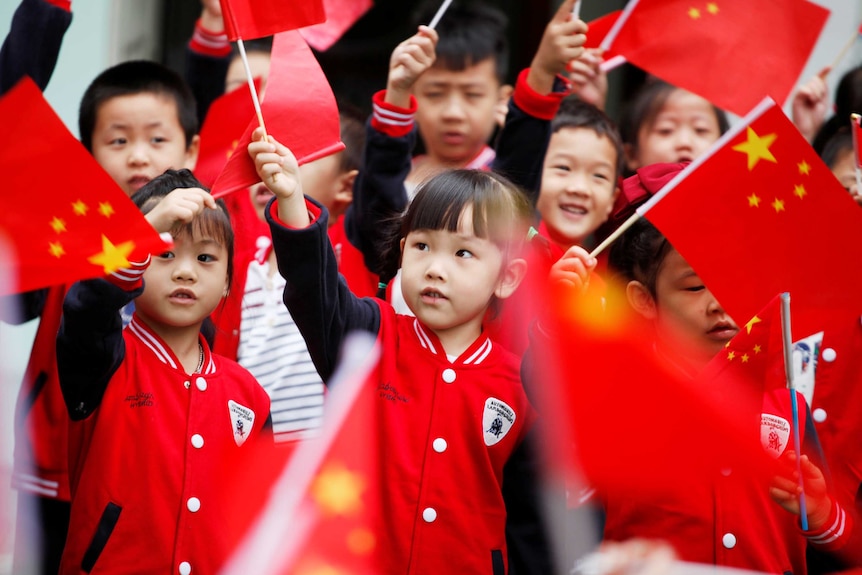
{"points": [[211, 17], [561, 43], [785, 491], [409, 60], [589, 81], [278, 169], [179, 207], [572, 271], [810, 105]]}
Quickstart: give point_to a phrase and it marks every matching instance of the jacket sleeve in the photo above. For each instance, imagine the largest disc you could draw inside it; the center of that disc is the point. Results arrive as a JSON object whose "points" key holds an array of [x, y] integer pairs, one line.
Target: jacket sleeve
{"points": [[90, 344], [316, 295], [33, 43], [208, 57], [379, 193]]}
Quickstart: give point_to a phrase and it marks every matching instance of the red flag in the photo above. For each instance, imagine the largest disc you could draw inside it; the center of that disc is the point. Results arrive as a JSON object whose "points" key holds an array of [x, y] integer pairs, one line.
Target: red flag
{"points": [[299, 109], [226, 120], [340, 16], [247, 19], [598, 30], [856, 128], [79, 226], [731, 52], [759, 214]]}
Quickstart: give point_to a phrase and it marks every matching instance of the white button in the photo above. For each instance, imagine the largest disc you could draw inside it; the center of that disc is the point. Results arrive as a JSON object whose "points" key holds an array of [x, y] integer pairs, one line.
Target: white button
{"points": [[439, 445], [728, 540], [819, 415], [201, 384], [828, 354], [185, 568], [429, 514], [726, 471], [187, 383], [193, 504], [198, 440], [448, 375]]}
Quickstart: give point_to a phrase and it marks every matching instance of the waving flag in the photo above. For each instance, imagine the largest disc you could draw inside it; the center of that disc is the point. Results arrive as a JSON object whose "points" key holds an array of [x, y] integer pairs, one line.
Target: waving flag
{"points": [[340, 16], [856, 129], [60, 230], [300, 112], [732, 52], [248, 19]]}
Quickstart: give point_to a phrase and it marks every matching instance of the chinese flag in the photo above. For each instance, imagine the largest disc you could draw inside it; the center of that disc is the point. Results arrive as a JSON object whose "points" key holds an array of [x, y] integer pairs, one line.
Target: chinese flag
{"points": [[247, 19], [60, 229], [598, 30], [321, 513], [759, 214], [856, 128], [299, 110], [732, 52], [340, 16]]}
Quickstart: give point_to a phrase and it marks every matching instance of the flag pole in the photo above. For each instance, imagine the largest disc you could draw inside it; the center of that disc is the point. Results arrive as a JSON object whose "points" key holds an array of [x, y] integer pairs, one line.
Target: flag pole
{"points": [[846, 47], [855, 127], [440, 11], [617, 233], [787, 340], [226, 8], [576, 10]]}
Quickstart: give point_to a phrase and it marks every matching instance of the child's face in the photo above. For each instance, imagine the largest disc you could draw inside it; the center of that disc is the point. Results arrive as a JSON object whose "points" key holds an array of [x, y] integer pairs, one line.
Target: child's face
{"points": [[456, 110], [687, 317], [448, 278], [844, 169], [258, 63], [578, 184], [682, 130], [139, 136], [184, 285]]}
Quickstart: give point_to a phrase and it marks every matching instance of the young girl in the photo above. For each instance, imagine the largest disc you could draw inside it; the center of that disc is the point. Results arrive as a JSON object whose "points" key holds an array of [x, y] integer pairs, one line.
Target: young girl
{"points": [[153, 410], [451, 404], [664, 123]]}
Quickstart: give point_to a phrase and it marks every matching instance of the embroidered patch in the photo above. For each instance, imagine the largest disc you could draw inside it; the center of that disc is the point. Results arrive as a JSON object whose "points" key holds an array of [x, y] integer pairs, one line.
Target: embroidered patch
{"points": [[774, 433], [497, 420], [805, 354], [241, 419]]}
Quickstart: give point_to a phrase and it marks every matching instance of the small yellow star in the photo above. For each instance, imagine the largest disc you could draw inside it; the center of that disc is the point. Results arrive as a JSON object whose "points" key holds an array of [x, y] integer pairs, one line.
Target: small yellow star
{"points": [[712, 8], [106, 209], [799, 191], [744, 358], [80, 208], [338, 491], [693, 13], [56, 249], [753, 201], [778, 205], [112, 257], [756, 148], [757, 349], [804, 168], [58, 225], [731, 354], [750, 325]]}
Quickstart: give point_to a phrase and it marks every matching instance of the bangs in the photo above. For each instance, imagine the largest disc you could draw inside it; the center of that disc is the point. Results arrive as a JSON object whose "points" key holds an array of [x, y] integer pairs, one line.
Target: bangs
{"points": [[213, 224]]}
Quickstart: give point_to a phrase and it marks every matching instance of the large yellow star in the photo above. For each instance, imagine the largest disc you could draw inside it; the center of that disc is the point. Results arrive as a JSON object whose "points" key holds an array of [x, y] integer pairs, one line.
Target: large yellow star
{"points": [[80, 208], [106, 209], [756, 148], [58, 225], [338, 491], [56, 249], [750, 325], [804, 168], [799, 191], [693, 13], [112, 257], [753, 201], [778, 205], [712, 8]]}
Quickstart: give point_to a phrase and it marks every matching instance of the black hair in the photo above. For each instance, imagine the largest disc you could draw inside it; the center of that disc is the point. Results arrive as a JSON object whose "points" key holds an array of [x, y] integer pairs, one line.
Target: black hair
{"points": [[352, 127], [638, 254], [131, 78], [840, 143], [470, 32], [848, 99], [645, 107], [254, 45], [575, 113]]}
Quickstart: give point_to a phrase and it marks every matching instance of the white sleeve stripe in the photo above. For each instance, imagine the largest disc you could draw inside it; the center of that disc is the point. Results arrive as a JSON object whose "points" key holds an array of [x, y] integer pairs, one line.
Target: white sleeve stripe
{"points": [[383, 112], [834, 531]]}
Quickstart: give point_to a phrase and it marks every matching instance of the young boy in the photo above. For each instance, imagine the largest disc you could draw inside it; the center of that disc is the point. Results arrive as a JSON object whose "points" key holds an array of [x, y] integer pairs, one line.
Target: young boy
{"points": [[138, 119]]}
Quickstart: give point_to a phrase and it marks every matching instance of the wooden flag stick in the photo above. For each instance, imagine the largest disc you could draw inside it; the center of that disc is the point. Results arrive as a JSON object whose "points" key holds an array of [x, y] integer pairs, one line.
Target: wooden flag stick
{"points": [[440, 11], [617, 233], [846, 47], [250, 80]]}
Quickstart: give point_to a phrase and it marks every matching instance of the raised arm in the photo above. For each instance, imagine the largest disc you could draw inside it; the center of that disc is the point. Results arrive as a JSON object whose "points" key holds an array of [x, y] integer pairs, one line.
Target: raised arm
{"points": [[33, 43]]}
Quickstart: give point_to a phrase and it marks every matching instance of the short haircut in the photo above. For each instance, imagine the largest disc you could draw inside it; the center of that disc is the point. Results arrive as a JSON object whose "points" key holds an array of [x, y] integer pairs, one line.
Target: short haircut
{"points": [[131, 78], [638, 253], [470, 32], [840, 143], [352, 127], [575, 113]]}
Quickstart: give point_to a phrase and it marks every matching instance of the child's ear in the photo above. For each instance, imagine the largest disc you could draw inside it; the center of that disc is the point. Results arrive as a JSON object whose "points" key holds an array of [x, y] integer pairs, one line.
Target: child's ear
{"points": [[511, 277], [344, 190], [641, 299], [192, 153]]}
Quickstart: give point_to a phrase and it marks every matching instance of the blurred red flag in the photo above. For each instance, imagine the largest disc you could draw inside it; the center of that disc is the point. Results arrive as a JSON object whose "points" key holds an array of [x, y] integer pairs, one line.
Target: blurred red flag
{"points": [[322, 512], [299, 110], [598, 30], [856, 128], [226, 120], [759, 214], [247, 19], [80, 226], [731, 52], [340, 16]]}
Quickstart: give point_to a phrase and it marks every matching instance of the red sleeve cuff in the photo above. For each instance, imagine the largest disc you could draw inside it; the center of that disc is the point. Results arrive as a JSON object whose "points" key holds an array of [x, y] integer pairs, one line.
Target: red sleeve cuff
{"points": [[834, 532], [64, 4], [314, 212], [209, 43], [131, 278], [542, 106], [392, 120]]}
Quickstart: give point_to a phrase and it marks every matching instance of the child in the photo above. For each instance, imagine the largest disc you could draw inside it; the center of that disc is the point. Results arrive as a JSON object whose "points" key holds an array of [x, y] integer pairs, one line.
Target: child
{"points": [[839, 155], [153, 410], [459, 243], [664, 123], [138, 119]]}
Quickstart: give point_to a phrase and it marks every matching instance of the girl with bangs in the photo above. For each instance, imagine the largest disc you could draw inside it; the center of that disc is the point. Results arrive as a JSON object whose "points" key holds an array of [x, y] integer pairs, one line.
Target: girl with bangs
{"points": [[153, 412], [449, 402]]}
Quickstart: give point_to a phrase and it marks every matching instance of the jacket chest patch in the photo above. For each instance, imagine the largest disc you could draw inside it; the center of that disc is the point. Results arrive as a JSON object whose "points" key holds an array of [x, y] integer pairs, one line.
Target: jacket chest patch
{"points": [[774, 434], [497, 420], [241, 419]]}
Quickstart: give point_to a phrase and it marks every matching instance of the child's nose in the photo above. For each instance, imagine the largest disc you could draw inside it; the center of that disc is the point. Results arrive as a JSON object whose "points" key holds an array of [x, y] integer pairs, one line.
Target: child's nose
{"points": [[454, 107], [138, 154], [183, 270]]}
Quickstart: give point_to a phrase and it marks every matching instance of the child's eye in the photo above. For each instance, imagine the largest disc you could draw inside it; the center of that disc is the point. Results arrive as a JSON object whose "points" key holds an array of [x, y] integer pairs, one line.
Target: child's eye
{"points": [[561, 167], [464, 254], [475, 95], [433, 95], [166, 255], [600, 176], [208, 258], [117, 142], [695, 288], [159, 140], [421, 246]]}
